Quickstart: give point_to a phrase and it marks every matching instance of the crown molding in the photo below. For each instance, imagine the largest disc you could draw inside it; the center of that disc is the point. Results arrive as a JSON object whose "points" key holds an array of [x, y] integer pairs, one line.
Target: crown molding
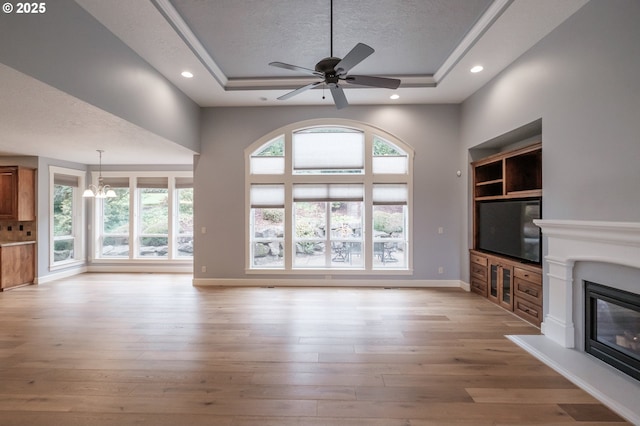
{"points": [[184, 31], [484, 23]]}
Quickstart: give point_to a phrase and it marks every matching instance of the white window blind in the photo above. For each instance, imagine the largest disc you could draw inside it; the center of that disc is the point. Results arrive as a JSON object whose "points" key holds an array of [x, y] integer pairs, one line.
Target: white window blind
{"points": [[267, 165], [328, 192], [390, 165], [267, 196], [66, 180], [328, 151], [153, 182], [390, 194], [116, 182], [184, 182]]}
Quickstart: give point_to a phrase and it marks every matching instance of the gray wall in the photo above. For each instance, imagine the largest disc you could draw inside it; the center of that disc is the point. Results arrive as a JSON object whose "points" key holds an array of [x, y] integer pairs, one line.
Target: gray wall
{"points": [[219, 180], [69, 49], [43, 206], [582, 81]]}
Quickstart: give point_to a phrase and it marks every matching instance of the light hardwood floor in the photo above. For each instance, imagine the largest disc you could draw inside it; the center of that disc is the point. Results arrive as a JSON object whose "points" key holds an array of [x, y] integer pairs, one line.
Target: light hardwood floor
{"points": [[144, 349]]}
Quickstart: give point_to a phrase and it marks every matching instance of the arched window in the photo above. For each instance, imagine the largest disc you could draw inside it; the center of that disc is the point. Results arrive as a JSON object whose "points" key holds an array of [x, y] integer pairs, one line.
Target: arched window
{"points": [[329, 196]]}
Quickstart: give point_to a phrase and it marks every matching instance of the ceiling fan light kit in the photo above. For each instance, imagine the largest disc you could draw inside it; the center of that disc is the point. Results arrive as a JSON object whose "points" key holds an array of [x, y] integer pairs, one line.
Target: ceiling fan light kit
{"points": [[333, 70]]}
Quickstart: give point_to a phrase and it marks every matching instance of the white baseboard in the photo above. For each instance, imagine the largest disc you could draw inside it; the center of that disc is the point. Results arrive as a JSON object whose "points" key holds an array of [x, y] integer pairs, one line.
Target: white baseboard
{"points": [[59, 275], [157, 269], [334, 282]]}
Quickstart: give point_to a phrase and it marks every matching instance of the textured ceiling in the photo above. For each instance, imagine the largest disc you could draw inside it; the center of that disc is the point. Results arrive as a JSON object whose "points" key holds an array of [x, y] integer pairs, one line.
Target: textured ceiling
{"points": [[410, 37]]}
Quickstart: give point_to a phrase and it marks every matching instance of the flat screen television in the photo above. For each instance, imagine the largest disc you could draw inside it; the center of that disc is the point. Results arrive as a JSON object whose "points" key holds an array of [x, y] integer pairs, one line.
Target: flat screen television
{"points": [[506, 227]]}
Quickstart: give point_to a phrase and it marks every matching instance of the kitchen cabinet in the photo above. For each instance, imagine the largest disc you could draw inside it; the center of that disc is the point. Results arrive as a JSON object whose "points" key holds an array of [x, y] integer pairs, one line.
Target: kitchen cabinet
{"points": [[17, 264], [17, 193]]}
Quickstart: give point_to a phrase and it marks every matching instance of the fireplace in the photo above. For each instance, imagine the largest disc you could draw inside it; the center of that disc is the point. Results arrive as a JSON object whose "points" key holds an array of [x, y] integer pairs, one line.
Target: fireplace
{"points": [[577, 252], [612, 327]]}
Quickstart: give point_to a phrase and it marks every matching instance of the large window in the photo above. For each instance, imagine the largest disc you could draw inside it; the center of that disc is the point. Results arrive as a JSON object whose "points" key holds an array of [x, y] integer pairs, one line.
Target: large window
{"points": [[66, 213], [184, 224], [116, 212], [329, 197], [150, 218]]}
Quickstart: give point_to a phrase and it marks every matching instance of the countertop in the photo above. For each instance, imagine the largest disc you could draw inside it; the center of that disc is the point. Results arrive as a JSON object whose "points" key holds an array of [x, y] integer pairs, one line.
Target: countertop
{"points": [[15, 243]]}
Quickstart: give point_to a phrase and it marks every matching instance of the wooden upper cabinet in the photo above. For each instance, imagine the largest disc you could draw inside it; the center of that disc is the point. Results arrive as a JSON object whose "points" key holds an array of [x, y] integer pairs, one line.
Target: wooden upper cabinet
{"points": [[17, 194], [516, 174]]}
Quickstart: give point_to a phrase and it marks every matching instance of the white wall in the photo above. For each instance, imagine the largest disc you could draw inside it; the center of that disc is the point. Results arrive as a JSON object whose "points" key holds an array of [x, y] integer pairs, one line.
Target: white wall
{"points": [[219, 180]]}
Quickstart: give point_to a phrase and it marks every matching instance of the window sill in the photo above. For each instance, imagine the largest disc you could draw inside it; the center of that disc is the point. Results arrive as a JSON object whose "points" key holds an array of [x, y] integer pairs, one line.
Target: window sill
{"points": [[121, 260], [329, 272]]}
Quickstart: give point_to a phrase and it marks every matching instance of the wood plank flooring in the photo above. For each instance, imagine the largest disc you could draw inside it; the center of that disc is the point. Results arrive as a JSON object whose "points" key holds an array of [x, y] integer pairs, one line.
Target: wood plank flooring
{"points": [[145, 349]]}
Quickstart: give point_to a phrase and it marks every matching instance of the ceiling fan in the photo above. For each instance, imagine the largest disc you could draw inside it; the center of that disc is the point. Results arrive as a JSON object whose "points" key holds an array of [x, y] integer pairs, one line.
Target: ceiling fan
{"points": [[333, 70]]}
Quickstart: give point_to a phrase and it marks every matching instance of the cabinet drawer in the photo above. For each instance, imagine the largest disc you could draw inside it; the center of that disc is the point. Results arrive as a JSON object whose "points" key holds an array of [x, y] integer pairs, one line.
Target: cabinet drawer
{"points": [[527, 310], [479, 286], [480, 260], [524, 274], [479, 271], [529, 291]]}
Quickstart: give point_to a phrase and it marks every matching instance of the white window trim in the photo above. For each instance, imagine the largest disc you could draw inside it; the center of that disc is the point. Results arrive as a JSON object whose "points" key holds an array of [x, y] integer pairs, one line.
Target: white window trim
{"points": [[289, 178], [96, 220], [79, 248]]}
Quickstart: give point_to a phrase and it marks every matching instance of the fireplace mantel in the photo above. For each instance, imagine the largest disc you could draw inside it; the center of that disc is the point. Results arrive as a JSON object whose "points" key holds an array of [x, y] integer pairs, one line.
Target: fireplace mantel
{"points": [[569, 241]]}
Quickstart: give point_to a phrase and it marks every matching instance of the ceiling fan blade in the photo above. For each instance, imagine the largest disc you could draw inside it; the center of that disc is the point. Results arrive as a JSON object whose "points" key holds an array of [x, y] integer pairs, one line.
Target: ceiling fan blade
{"points": [[296, 68], [299, 90], [353, 58], [368, 80], [339, 97]]}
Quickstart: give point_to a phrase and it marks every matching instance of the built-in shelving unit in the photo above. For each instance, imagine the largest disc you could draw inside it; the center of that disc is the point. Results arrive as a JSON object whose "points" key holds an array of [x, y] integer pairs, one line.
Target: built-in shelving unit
{"points": [[516, 174], [512, 284]]}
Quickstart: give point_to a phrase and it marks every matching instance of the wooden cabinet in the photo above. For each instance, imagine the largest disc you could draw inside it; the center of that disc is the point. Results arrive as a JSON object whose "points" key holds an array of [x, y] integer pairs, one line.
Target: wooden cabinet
{"points": [[501, 283], [515, 174], [479, 274], [17, 193], [528, 295], [513, 285], [17, 264]]}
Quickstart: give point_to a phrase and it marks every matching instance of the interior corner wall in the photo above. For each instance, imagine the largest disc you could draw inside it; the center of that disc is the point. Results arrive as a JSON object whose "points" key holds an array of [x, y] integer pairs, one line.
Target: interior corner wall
{"points": [[432, 130], [582, 80], [43, 204]]}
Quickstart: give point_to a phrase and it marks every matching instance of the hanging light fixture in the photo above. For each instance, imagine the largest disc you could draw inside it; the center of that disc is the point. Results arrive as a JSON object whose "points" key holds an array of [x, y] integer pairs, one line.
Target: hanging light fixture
{"points": [[102, 190]]}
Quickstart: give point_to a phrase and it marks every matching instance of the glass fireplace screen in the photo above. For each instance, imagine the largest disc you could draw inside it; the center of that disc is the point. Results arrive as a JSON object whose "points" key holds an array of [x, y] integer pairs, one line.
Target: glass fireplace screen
{"points": [[612, 325]]}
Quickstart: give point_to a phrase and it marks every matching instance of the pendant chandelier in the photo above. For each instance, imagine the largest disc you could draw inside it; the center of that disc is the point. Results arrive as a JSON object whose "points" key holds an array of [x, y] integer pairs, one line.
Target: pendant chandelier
{"points": [[102, 190]]}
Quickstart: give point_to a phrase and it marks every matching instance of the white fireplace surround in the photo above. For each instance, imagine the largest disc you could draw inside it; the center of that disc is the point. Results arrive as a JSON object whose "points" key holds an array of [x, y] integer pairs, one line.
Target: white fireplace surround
{"points": [[568, 242]]}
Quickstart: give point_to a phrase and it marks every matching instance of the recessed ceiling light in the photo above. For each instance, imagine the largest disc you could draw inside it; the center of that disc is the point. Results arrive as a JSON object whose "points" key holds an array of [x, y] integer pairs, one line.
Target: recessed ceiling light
{"points": [[187, 74], [476, 69], [394, 96]]}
